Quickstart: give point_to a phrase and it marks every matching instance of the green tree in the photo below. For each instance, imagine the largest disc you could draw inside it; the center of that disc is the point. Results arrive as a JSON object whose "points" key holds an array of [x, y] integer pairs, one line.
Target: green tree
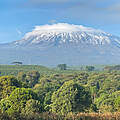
{"points": [[71, 97], [17, 100], [44, 90], [32, 109], [117, 103], [62, 66], [7, 85], [90, 68], [17, 63], [29, 78]]}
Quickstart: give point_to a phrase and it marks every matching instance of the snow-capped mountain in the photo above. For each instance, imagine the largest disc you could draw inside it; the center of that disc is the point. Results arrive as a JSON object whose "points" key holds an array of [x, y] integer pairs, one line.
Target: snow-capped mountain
{"points": [[63, 43], [63, 33]]}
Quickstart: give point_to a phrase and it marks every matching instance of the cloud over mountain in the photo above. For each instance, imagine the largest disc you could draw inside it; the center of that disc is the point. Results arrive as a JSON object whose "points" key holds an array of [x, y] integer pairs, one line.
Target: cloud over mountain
{"points": [[63, 27]]}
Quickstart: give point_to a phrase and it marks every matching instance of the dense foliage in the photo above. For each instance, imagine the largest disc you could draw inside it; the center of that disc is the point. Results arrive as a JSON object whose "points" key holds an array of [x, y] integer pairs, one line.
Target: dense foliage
{"points": [[35, 95], [71, 97]]}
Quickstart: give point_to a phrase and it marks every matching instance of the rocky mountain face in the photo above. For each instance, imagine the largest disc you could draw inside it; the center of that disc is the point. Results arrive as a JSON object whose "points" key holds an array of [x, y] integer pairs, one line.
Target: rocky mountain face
{"points": [[63, 43]]}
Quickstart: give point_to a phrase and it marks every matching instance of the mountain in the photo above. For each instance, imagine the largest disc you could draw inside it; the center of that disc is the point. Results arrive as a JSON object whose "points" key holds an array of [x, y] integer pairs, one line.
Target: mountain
{"points": [[66, 34], [63, 43]]}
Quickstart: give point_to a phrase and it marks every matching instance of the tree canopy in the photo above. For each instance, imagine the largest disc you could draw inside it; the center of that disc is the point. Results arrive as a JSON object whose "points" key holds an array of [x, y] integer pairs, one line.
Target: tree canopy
{"points": [[70, 97]]}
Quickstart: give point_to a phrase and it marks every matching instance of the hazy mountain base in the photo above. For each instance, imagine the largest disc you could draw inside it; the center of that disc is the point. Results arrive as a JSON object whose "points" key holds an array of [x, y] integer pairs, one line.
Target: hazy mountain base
{"points": [[76, 55]]}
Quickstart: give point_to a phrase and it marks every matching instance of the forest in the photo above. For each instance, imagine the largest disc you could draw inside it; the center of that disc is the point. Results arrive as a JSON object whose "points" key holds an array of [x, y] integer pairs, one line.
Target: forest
{"points": [[32, 92]]}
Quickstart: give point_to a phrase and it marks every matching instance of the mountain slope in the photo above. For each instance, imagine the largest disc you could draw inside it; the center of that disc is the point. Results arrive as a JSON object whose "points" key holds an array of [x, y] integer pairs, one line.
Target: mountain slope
{"points": [[62, 33], [63, 43]]}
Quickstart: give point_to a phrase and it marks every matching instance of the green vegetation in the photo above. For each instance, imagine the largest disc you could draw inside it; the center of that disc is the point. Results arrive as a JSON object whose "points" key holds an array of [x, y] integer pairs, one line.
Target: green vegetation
{"points": [[62, 66], [39, 93], [17, 63], [29, 78], [70, 97], [111, 68], [90, 68], [15, 69]]}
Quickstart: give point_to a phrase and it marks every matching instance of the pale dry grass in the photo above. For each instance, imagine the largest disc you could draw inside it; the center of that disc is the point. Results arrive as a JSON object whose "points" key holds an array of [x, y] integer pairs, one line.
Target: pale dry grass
{"points": [[94, 116], [81, 116]]}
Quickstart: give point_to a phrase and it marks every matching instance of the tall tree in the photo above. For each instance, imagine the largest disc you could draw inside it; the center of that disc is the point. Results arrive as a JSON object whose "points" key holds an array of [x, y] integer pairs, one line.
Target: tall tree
{"points": [[70, 97], [62, 66]]}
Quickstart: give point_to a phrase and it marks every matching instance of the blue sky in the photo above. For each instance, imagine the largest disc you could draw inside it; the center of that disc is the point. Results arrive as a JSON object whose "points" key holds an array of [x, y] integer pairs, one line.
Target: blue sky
{"points": [[20, 16]]}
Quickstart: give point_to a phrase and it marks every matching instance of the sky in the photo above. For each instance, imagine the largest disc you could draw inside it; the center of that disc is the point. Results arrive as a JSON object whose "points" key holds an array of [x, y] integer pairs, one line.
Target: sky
{"points": [[18, 17]]}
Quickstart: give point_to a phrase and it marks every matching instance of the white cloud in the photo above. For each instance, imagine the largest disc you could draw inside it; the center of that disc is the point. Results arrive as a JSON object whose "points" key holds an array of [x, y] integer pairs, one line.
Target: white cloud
{"points": [[63, 27]]}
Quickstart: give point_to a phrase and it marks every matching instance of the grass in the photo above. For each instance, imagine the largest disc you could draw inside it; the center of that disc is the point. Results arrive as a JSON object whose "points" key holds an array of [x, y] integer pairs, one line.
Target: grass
{"points": [[14, 69], [82, 116]]}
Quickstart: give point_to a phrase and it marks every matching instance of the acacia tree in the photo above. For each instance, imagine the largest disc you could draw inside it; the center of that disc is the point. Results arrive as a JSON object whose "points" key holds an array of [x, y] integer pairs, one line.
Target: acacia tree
{"points": [[62, 66], [90, 68], [70, 97], [17, 63]]}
